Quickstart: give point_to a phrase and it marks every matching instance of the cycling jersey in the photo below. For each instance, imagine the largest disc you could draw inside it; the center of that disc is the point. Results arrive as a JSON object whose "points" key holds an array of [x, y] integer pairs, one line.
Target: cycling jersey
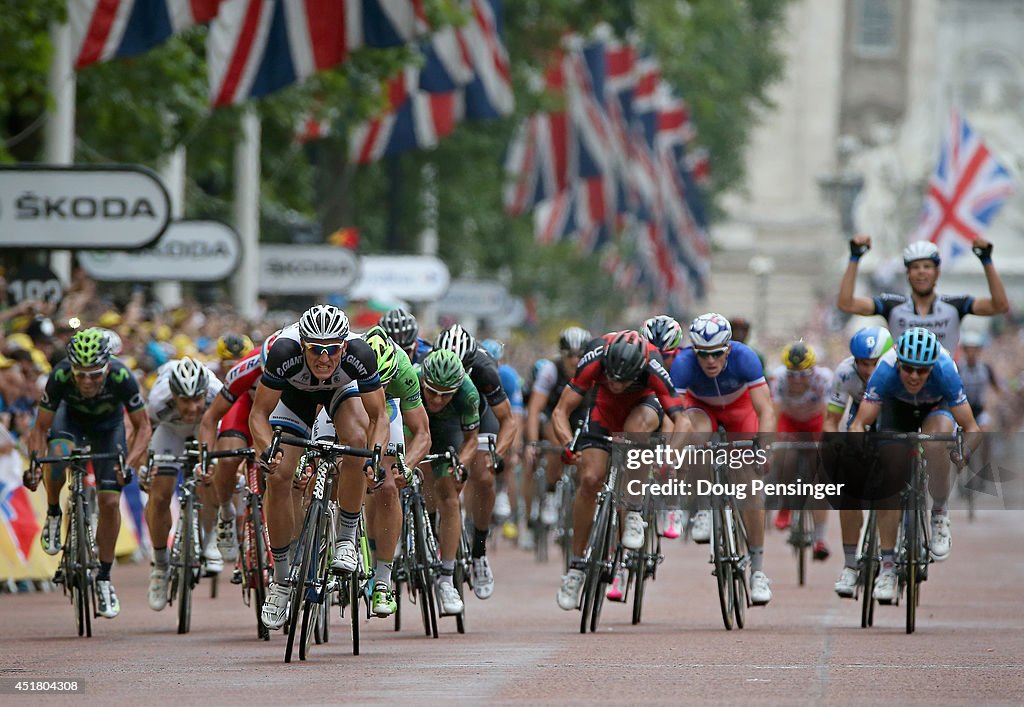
{"points": [[483, 370], [725, 399], [447, 426], [243, 377], [943, 386], [549, 379], [423, 347], [512, 384], [809, 403], [120, 392], [161, 405], [846, 385], [286, 366], [943, 319], [405, 386], [976, 381]]}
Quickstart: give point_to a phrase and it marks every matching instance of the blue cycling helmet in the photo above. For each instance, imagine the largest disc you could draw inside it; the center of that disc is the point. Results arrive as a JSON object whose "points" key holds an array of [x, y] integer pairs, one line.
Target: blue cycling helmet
{"points": [[870, 342], [918, 347], [494, 347]]}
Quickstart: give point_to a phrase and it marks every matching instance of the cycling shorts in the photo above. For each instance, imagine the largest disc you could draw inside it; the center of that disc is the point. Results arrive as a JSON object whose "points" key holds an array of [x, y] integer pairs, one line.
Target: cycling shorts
{"points": [[899, 416], [788, 424], [738, 416], [296, 410], [609, 414], [102, 436], [236, 422]]}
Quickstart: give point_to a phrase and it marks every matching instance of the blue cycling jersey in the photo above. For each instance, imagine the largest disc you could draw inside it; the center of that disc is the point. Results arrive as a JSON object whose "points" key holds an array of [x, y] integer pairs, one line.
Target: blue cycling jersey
{"points": [[943, 385], [513, 386], [423, 347], [742, 372]]}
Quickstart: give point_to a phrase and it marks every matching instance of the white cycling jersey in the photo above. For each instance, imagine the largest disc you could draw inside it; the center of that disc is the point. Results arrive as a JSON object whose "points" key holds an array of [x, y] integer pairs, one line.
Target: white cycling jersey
{"points": [[805, 404]]}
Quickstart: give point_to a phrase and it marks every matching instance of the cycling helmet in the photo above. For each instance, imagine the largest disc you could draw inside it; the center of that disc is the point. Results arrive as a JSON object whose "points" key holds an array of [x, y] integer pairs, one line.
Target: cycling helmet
{"points": [[870, 342], [494, 347], [664, 332], [798, 356], [233, 346], [921, 250], [457, 339], [710, 331], [625, 355], [114, 342], [400, 326], [189, 378], [443, 371], [918, 347], [323, 322], [973, 339], [88, 348], [387, 357], [573, 339]]}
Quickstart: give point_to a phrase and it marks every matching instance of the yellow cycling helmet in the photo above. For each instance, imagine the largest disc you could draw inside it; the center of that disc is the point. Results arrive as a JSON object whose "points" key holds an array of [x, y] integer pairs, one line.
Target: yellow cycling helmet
{"points": [[233, 346], [798, 356]]}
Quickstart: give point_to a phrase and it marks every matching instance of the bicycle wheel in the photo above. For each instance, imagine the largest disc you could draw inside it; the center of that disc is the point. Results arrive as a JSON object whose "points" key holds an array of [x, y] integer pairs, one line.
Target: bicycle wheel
{"points": [[645, 558], [610, 559], [460, 580], [869, 570], [306, 557], [799, 533], [186, 554], [914, 557], [259, 569], [595, 555], [83, 593], [424, 575], [541, 530], [723, 565], [740, 591]]}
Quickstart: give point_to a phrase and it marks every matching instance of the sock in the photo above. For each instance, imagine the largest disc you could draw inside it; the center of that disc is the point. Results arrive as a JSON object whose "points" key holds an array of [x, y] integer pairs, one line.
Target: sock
{"points": [[53, 509], [820, 532], [850, 556], [939, 509], [479, 548], [447, 571], [756, 553], [348, 525], [160, 557], [382, 572], [280, 555], [888, 559], [104, 573]]}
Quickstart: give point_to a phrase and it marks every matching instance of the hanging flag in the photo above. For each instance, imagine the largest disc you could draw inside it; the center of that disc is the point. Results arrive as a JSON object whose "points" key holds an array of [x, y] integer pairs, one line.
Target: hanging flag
{"points": [[16, 510], [966, 191], [256, 47], [105, 29]]}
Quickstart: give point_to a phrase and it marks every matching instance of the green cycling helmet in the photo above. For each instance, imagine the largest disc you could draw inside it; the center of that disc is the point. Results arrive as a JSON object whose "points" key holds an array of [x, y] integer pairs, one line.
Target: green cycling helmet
{"points": [[443, 371], [89, 348], [384, 348]]}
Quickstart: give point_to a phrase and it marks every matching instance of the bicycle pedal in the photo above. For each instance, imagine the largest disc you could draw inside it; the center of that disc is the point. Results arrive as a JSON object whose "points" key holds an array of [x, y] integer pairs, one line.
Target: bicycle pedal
{"points": [[58, 577]]}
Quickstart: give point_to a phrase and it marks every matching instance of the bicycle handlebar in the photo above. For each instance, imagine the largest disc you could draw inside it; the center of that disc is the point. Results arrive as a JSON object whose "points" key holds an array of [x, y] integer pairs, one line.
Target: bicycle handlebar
{"points": [[76, 455]]}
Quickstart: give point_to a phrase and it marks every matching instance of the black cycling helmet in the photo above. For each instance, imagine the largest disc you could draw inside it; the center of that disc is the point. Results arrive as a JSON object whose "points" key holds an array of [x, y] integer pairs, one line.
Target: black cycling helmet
{"points": [[625, 355], [401, 326]]}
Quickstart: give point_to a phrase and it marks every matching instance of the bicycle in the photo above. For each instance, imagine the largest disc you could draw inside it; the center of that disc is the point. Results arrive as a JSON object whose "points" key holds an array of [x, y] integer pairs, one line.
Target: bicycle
{"points": [[802, 521], [309, 577], [913, 556], [79, 559], [539, 528], [255, 564], [729, 543], [869, 563], [418, 560]]}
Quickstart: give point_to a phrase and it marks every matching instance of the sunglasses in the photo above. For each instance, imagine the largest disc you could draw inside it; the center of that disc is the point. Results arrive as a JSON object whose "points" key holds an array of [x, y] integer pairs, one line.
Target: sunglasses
{"points": [[437, 392], [711, 354], [92, 375], [922, 370], [320, 349]]}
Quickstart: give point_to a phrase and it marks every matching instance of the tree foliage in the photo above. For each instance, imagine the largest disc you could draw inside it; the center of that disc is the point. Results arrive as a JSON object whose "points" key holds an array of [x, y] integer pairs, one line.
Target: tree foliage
{"points": [[721, 56]]}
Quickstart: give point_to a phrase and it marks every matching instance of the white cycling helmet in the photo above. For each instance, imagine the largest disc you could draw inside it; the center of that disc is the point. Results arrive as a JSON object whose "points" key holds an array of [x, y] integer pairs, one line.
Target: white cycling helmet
{"points": [[189, 378], [114, 342], [710, 331], [921, 250], [323, 322], [456, 338]]}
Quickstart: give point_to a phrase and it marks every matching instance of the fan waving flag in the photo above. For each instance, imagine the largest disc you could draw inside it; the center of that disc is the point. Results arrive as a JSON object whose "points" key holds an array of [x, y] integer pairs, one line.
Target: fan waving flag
{"points": [[965, 193], [105, 29], [16, 510]]}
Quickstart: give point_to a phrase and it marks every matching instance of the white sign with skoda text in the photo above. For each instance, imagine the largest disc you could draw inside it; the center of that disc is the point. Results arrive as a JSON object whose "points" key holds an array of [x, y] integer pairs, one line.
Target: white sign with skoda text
{"points": [[416, 278], [194, 251], [307, 270], [119, 207]]}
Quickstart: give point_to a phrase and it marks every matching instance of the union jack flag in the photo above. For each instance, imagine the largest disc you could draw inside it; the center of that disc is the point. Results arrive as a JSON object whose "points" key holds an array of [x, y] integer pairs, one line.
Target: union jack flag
{"points": [[965, 193]]}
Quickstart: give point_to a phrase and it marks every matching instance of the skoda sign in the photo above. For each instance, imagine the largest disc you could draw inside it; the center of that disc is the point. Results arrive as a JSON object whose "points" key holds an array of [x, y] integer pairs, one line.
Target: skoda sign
{"points": [[196, 251], [306, 270], [119, 206]]}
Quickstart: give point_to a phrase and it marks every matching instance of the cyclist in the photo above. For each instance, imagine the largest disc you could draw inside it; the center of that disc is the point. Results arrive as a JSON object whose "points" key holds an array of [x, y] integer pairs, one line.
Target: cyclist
{"points": [[183, 391], [315, 362], [916, 387], [725, 388], [924, 308], [851, 377], [667, 336], [633, 392], [453, 407], [84, 403], [231, 348], [550, 378], [978, 376], [800, 391], [505, 504], [497, 423], [383, 505], [401, 326]]}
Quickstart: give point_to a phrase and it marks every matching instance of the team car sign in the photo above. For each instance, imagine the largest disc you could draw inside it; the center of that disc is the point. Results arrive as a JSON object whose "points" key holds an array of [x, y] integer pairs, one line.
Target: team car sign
{"points": [[120, 206]]}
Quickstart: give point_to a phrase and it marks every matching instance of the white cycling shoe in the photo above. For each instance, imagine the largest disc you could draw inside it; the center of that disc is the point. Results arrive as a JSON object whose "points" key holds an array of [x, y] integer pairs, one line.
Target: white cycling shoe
{"points": [[633, 531], [701, 530], [941, 540], [572, 587], [846, 585], [158, 588], [451, 602], [760, 589], [275, 607]]}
